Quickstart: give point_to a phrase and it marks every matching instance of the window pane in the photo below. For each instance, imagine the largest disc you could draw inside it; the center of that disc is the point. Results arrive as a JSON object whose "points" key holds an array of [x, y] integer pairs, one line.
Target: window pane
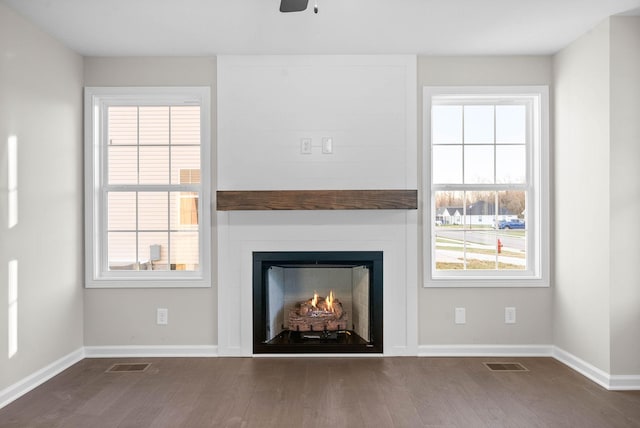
{"points": [[121, 250], [512, 250], [185, 125], [123, 125], [121, 211], [511, 164], [480, 249], [511, 207], [480, 210], [449, 251], [185, 251], [123, 165], [446, 124], [478, 164], [148, 256], [511, 124], [154, 125], [449, 209], [154, 165], [185, 165], [478, 124], [189, 208], [184, 210], [189, 176], [153, 211], [447, 164]]}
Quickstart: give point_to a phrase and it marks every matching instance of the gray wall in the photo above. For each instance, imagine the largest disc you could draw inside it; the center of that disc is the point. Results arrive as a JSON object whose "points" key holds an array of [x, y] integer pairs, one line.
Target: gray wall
{"points": [[122, 317], [625, 195], [582, 268], [597, 134], [485, 306], [41, 104]]}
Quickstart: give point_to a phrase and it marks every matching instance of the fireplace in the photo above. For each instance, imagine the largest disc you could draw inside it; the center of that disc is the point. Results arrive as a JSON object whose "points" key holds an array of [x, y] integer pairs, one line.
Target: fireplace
{"points": [[317, 302]]}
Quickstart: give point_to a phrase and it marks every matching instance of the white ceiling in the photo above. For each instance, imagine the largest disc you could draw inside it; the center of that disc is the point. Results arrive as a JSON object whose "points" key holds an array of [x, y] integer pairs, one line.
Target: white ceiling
{"points": [[208, 27]]}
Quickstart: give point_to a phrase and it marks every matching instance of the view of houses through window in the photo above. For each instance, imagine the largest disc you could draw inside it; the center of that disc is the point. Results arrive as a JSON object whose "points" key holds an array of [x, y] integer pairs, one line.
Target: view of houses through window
{"points": [[480, 182], [152, 187], [480, 230]]}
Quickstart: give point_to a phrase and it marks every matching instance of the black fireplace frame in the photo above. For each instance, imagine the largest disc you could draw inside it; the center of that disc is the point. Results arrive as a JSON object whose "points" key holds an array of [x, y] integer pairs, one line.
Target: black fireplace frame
{"points": [[262, 261]]}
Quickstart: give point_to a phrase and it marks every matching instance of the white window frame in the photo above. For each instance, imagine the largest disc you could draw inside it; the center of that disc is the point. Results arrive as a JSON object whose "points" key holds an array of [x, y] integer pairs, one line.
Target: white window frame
{"points": [[96, 100], [537, 204]]}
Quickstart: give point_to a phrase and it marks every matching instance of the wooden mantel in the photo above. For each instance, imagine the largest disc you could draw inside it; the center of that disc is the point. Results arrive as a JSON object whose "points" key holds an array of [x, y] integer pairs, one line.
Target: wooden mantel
{"points": [[239, 200]]}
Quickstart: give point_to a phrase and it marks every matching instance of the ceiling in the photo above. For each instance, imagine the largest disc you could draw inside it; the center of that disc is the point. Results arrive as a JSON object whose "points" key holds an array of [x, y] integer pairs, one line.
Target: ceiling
{"points": [[209, 27]]}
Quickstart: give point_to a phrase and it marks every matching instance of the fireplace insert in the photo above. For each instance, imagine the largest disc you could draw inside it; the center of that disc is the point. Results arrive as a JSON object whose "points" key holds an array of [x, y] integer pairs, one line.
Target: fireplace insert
{"points": [[317, 302]]}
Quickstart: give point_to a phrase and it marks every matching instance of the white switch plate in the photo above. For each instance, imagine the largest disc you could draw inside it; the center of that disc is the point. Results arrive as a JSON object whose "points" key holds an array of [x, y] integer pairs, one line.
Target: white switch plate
{"points": [[461, 316], [327, 145], [305, 146], [162, 316], [509, 315]]}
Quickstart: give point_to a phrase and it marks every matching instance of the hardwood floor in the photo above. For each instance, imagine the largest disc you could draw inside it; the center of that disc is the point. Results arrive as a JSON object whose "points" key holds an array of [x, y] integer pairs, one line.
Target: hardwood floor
{"points": [[322, 392]]}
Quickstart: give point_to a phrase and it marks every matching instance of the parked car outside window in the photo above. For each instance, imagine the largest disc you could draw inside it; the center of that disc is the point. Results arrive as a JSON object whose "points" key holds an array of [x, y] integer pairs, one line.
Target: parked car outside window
{"points": [[511, 224]]}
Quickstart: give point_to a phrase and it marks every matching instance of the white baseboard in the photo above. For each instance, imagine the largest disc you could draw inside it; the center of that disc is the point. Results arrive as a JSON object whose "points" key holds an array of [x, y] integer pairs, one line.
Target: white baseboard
{"points": [[602, 378], [25, 385], [624, 383], [485, 351], [588, 370], [150, 351]]}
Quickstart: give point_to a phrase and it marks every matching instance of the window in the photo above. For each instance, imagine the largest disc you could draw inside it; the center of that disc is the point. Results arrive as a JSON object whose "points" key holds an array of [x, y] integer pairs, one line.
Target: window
{"points": [[486, 183], [147, 187]]}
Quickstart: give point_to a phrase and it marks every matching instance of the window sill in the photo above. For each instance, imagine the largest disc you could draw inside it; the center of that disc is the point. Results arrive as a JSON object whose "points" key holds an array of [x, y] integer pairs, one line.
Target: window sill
{"points": [[487, 283], [148, 283]]}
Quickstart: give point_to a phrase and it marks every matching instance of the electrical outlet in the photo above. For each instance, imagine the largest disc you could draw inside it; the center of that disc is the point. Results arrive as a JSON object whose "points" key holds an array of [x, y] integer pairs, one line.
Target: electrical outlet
{"points": [[162, 316], [509, 315], [461, 316]]}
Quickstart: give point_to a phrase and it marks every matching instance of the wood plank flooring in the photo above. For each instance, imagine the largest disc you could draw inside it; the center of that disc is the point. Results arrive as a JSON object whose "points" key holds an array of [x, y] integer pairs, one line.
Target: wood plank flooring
{"points": [[322, 392]]}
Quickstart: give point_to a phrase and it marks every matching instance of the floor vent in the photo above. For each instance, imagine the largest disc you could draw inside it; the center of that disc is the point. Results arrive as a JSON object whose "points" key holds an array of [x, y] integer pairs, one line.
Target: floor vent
{"points": [[506, 367], [128, 367]]}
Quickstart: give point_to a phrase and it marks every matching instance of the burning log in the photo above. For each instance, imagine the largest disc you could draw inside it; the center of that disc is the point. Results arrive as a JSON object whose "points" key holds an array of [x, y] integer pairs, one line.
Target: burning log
{"points": [[318, 314]]}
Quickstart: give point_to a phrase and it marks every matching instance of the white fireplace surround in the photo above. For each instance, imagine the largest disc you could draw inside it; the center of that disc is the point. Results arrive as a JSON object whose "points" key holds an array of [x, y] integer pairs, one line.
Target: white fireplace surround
{"points": [[392, 232], [268, 107]]}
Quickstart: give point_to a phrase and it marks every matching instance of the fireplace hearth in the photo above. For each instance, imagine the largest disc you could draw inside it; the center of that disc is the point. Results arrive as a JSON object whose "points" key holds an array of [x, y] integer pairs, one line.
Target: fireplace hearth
{"points": [[317, 302]]}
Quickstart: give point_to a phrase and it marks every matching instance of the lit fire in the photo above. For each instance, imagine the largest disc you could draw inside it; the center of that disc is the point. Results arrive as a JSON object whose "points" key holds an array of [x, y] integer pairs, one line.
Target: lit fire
{"points": [[329, 301], [318, 314], [327, 304]]}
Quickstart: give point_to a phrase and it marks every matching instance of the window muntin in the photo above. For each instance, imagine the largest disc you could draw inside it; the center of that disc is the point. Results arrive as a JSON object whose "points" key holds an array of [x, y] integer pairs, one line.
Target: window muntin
{"points": [[148, 151], [485, 183]]}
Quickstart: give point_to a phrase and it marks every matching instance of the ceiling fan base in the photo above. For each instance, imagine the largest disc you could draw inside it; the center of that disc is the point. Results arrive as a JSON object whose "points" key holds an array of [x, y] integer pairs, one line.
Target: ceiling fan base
{"points": [[293, 5]]}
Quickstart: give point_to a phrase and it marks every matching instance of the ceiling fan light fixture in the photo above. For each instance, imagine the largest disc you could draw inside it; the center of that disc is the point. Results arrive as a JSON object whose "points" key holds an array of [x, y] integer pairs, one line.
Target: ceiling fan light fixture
{"points": [[293, 5]]}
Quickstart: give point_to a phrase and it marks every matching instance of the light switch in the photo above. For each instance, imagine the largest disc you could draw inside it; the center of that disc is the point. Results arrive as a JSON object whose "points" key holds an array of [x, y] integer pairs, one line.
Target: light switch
{"points": [[162, 316], [509, 315], [305, 146], [327, 145]]}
